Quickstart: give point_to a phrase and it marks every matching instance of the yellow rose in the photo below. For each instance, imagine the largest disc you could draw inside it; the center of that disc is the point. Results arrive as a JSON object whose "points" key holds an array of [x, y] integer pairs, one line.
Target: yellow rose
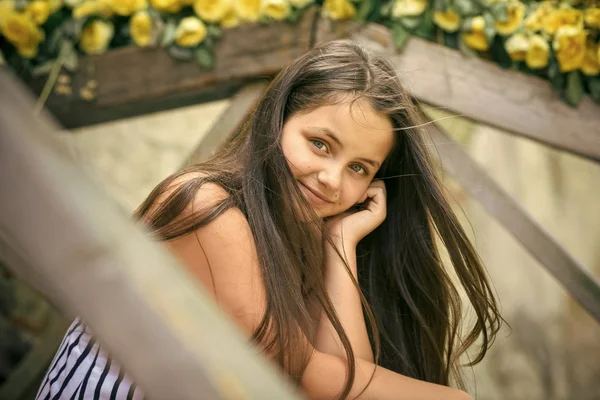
{"points": [[535, 21], [126, 7], [448, 20], [91, 8], [248, 10], [538, 52], [409, 8], [140, 27], [516, 46], [20, 30], [38, 11], [569, 46], [591, 61], [230, 20], [301, 3], [476, 38], [212, 10], [516, 13], [6, 8], [190, 32], [338, 9], [592, 17], [96, 37], [563, 17], [167, 6], [276, 9], [55, 5]]}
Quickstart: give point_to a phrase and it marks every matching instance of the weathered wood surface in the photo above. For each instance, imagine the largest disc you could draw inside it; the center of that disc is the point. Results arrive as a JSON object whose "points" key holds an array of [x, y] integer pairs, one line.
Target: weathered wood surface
{"points": [[132, 80], [233, 117], [23, 382], [518, 222], [478, 89], [64, 235]]}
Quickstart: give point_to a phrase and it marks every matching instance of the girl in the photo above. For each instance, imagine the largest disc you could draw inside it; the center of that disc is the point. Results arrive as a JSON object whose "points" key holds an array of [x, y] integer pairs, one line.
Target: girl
{"points": [[315, 228]]}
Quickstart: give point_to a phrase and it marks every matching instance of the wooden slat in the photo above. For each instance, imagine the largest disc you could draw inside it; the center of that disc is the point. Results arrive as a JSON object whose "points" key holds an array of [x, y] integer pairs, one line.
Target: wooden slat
{"points": [[132, 81], [239, 109], [476, 88], [23, 383], [532, 236], [70, 239]]}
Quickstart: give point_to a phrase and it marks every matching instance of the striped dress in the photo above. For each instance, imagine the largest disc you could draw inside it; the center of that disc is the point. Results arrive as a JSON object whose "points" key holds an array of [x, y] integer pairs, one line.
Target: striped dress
{"points": [[81, 370]]}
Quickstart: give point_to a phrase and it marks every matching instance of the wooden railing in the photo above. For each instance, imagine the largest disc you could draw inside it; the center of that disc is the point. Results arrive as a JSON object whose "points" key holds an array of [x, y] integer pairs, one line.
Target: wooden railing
{"points": [[66, 237]]}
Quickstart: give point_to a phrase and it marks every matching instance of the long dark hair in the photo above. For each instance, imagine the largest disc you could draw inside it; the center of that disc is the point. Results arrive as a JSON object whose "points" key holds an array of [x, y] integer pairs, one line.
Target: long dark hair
{"points": [[411, 300]]}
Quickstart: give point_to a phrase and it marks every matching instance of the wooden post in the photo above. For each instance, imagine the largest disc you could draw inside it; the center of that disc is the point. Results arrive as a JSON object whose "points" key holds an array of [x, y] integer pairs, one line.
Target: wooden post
{"points": [[63, 234], [533, 237]]}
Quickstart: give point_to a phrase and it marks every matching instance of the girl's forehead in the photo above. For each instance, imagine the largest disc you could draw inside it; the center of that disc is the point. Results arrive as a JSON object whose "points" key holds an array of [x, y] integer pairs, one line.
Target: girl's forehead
{"points": [[355, 126]]}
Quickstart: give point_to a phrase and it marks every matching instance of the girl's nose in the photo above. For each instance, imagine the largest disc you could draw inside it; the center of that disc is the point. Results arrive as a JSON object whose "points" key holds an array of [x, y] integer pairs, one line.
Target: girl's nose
{"points": [[331, 179]]}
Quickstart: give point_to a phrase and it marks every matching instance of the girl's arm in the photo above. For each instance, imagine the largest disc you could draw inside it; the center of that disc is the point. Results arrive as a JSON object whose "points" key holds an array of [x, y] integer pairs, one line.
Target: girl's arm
{"points": [[346, 301], [325, 374], [222, 256]]}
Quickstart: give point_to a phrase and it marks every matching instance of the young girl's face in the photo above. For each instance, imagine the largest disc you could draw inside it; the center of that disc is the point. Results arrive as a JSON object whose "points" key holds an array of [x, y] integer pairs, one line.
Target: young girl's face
{"points": [[334, 152]]}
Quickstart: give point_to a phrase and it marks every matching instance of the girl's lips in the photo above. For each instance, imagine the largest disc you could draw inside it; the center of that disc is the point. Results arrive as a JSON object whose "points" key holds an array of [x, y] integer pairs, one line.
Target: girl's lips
{"points": [[313, 197]]}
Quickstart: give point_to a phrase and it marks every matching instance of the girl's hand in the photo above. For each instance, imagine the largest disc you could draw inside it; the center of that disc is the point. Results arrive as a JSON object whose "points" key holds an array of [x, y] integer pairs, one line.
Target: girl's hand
{"points": [[351, 226]]}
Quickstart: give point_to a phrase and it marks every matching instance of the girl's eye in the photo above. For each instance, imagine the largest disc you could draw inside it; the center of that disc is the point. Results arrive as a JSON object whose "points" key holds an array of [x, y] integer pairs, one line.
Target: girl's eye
{"points": [[358, 169], [319, 144]]}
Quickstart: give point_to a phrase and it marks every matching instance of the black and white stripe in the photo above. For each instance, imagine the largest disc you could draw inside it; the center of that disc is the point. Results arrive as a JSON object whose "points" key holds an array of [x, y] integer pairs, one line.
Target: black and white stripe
{"points": [[81, 370]]}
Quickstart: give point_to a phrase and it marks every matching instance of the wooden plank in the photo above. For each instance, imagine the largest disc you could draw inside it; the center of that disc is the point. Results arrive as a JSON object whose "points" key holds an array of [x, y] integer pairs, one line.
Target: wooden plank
{"points": [[94, 262], [134, 80], [26, 378], [517, 221], [231, 119], [478, 89]]}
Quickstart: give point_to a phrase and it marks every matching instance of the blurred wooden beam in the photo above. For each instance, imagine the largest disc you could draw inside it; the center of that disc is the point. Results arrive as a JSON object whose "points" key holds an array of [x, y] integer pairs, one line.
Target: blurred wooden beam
{"points": [[518, 222], [481, 90], [231, 120], [64, 235]]}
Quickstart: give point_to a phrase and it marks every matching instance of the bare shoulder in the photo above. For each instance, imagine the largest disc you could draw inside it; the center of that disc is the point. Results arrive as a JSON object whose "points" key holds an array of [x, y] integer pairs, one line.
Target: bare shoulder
{"points": [[222, 256]]}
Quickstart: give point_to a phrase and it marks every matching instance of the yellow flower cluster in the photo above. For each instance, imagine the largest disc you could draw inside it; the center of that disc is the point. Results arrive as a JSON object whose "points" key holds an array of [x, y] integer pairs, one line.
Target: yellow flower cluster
{"points": [[530, 31], [22, 28]]}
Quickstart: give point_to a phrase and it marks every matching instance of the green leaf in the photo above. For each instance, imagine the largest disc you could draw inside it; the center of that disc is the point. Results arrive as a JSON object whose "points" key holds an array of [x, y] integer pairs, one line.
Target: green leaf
{"points": [[294, 15], [181, 53], [169, 33], [440, 5], [467, 7], [410, 23], [499, 11], [55, 39], [43, 69], [594, 85], [426, 28], [574, 92], [364, 10], [69, 57], [400, 36], [204, 57], [214, 31], [499, 54], [451, 39]]}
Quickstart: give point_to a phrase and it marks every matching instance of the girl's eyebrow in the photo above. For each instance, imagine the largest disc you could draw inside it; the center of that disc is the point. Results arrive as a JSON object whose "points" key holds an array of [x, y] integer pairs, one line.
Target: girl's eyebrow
{"points": [[329, 133]]}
